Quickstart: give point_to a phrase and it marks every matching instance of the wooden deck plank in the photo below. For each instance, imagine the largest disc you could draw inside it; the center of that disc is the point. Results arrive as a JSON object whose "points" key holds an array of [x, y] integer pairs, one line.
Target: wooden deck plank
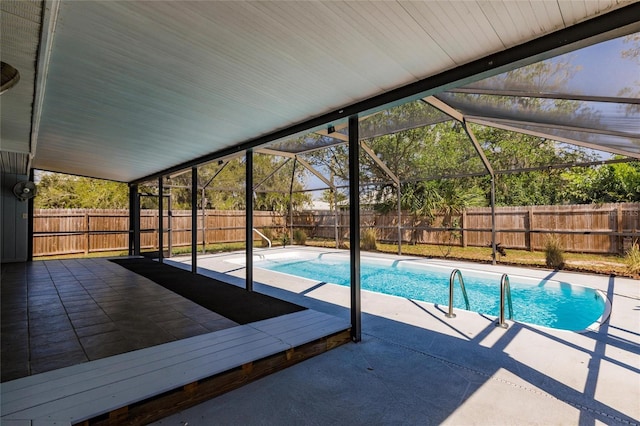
{"points": [[42, 394], [305, 328], [107, 398], [304, 335], [91, 366], [107, 366], [84, 391], [285, 322]]}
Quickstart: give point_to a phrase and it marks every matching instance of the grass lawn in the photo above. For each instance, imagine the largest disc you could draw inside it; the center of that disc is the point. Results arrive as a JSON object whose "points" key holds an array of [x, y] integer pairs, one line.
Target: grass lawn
{"points": [[582, 262]]}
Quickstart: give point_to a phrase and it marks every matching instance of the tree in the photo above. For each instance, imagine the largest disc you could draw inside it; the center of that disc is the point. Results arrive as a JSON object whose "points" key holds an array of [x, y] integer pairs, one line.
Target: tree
{"points": [[507, 150], [225, 185], [62, 191], [610, 183]]}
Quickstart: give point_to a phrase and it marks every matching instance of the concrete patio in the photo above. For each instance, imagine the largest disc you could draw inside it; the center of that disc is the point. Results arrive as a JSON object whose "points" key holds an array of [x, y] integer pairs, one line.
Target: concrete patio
{"points": [[414, 366]]}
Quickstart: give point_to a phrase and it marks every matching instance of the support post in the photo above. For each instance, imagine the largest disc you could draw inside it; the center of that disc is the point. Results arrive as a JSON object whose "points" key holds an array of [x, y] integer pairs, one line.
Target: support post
{"points": [[160, 220], [169, 226], [456, 115], [399, 220], [493, 219], [204, 221], [30, 213], [132, 196], [137, 234], [87, 227], [336, 219], [194, 220], [354, 228], [293, 175], [249, 219]]}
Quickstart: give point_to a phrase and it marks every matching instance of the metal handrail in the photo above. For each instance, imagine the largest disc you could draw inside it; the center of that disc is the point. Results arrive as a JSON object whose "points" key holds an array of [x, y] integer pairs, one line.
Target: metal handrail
{"points": [[454, 273], [263, 236], [505, 293]]}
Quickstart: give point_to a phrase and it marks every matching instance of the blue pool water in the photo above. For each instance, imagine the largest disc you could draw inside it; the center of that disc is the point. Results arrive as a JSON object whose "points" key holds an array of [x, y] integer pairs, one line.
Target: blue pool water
{"points": [[543, 302]]}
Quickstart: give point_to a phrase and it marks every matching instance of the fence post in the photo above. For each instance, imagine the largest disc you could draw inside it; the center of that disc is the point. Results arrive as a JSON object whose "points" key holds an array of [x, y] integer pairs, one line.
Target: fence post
{"points": [[463, 225], [87, 229], [620, 228], [529, 227]]}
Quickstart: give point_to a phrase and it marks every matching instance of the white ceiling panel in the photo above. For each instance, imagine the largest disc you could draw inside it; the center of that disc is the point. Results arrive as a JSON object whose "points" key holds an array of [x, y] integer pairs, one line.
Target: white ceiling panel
{"points": [[20, 29], [133, 88]]}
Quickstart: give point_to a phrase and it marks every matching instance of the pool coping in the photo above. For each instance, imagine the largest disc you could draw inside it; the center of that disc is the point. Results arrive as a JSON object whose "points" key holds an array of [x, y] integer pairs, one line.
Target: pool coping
{"points": [[293, 252], [596, 373]]}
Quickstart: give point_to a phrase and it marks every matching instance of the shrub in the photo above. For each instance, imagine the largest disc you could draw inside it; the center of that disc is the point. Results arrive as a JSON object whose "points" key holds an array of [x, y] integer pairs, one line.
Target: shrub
{"points": [[285, 239], [554, 254], [299, 237], [368, 240], [632, 259]]}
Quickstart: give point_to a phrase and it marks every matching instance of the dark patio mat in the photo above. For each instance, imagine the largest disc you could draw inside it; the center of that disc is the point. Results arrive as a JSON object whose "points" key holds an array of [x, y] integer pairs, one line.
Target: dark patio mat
{"points": [[227, 300]]}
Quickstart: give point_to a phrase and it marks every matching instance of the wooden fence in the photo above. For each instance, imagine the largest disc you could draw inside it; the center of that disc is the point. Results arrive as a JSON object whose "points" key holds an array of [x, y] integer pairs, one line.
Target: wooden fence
{"points": [[606, 228], [72, 231]]}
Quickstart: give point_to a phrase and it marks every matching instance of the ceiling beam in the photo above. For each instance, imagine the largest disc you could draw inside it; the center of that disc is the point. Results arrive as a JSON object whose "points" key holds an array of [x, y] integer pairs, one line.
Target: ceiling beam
{"points": [[315, 172], [477, 147], [371, 153], [47, 34], [555, 138], [456, 115], [564, 166], [616, 23], [335, 135], [269, 151], [273, 172], [515, 123], [444, 107], [537, 94]]}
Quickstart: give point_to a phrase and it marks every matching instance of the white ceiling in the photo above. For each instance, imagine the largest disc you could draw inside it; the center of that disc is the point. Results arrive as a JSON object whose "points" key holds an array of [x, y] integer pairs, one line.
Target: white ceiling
{"points": [[128, 89]]}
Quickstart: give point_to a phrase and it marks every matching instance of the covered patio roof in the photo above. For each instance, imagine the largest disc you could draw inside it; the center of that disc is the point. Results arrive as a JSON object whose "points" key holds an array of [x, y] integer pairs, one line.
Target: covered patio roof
{"points": [[128, 90]]}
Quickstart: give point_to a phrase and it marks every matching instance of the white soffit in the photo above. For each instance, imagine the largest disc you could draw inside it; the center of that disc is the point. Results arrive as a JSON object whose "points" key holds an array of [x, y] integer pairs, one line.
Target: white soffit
{"points": [[20, 31], [137, 87]]}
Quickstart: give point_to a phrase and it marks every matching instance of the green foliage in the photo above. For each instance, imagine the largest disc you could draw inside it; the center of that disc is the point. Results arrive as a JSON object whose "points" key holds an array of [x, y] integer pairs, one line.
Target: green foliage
{"points": [[299, 237], [285, 239], [632, 259], [610, 183], [60, 191], [508, 151], [553, 252], [225, 189], [368, 240]]}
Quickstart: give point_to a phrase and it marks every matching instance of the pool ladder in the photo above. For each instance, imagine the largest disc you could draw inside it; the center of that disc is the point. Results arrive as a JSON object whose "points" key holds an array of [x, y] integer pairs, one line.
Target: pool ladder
{"points": [[263, 236], [505, 294], [456, 273]]}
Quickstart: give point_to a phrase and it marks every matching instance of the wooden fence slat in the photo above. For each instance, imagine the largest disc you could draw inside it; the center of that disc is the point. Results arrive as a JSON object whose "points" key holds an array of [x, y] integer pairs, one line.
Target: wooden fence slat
{"points": [[66, 231]]}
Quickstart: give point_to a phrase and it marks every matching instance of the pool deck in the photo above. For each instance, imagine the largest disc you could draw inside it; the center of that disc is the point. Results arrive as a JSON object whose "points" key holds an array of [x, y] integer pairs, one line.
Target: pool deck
{"points": [[415, 366]]}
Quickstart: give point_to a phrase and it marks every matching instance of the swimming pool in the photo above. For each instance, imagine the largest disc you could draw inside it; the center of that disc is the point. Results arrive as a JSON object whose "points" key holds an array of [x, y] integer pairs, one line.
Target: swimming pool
{"points": [[547, 303]]}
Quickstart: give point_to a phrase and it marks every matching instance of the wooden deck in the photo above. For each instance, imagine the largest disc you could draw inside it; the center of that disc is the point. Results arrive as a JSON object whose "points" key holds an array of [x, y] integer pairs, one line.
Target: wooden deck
{"points": [[125, 388]]}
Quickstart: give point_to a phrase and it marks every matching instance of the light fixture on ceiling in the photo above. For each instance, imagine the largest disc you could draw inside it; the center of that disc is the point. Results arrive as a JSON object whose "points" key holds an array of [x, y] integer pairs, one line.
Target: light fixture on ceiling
{"points": [[10, 77]]}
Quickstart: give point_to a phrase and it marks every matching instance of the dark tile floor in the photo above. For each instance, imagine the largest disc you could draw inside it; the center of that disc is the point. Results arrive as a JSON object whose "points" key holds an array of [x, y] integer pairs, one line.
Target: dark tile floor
{"points": [[64, 312]]}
